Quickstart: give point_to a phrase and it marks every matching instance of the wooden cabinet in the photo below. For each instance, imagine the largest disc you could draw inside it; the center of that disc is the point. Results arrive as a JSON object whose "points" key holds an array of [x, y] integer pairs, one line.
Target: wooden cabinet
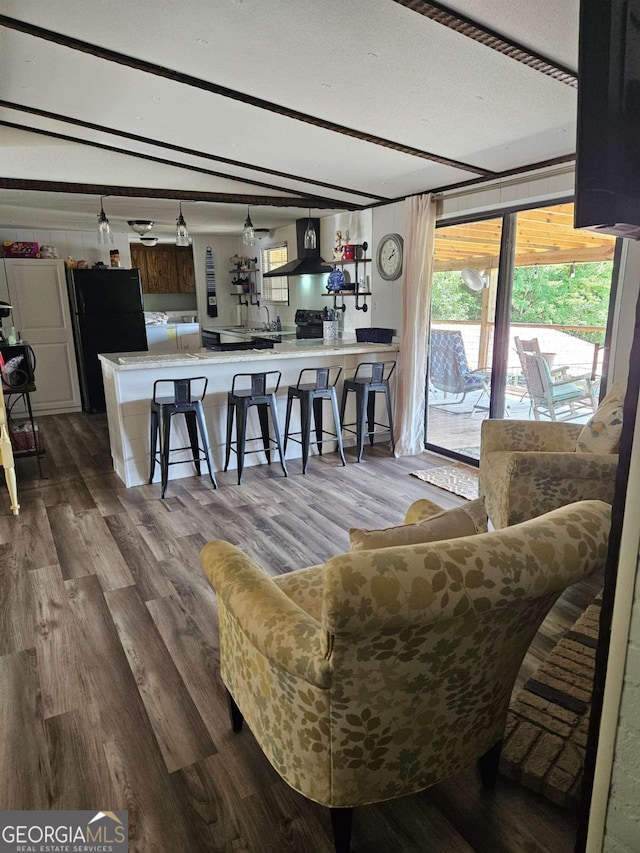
{"points": [[185, 268], [164, 268]]}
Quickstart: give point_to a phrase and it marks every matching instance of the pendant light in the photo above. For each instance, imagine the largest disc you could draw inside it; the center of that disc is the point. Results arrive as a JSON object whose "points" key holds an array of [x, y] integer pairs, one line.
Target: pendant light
{"points": [[572, 271], [182, 233], [310, 237], [248, 233], [105, 235]]}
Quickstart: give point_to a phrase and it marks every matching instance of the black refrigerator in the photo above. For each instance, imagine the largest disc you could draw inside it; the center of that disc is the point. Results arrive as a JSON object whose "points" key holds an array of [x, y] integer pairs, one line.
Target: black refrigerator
{"points": [[107, 316]]}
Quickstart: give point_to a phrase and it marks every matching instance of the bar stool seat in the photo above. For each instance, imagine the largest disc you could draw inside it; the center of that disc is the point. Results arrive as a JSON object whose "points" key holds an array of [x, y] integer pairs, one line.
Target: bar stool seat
{"points": [[183, 400], [370, 378], [314, 385], [261, 392]]}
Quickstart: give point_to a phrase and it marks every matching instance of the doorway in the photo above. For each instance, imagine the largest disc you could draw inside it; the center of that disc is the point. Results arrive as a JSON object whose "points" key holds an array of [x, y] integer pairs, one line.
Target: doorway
{"points": [[525, 277]]}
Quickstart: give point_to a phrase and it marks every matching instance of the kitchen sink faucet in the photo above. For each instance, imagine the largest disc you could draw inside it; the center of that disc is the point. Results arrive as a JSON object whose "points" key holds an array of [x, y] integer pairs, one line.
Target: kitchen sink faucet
{"points": [[268, 316]]}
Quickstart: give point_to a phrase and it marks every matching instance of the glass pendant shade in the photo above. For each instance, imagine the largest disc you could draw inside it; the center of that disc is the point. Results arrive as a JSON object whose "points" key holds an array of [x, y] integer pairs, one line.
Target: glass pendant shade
{"points": [[105, 235], [310, 237], [248, 233], [182, 232]]}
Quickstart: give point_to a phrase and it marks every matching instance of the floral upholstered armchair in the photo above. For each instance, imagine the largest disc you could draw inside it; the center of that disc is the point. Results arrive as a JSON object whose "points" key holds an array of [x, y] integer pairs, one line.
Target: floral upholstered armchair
{"points": [[386, 670], [530, 467]]}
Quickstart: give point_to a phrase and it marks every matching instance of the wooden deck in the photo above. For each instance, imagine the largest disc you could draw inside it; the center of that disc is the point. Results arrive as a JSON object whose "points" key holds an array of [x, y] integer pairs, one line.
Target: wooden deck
{"points": [[109, 681]]}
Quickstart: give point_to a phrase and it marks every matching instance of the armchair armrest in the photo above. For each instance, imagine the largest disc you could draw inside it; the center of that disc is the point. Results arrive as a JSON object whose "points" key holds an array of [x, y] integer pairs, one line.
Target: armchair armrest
{"points": [[277, 627], [528, 435], [421, 510]]}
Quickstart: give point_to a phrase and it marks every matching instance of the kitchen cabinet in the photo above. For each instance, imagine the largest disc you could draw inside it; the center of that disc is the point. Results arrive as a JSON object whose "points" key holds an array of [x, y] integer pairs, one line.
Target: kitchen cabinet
{"points": [[173, 336], [37, 290], [164, 268]]}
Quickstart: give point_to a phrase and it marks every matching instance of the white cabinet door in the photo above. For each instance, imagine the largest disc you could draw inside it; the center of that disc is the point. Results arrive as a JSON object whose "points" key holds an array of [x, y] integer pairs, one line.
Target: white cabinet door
{"points": [[38, 294], [161, 338]]}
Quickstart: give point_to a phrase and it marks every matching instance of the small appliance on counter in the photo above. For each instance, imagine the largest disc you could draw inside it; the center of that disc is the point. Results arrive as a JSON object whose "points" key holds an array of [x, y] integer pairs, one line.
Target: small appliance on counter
{"points": [[308, 323]]}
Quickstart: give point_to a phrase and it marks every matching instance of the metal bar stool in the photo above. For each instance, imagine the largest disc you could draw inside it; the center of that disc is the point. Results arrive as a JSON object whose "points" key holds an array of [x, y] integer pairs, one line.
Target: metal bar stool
{"points": [[370, 378], [311, 395], [262, 394], [188, 402]]}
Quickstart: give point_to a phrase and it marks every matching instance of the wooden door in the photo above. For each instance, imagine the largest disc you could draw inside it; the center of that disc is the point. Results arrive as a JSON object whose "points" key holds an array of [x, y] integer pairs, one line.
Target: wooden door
{"points": [[41, 313], [162, 275], [185, 268]]}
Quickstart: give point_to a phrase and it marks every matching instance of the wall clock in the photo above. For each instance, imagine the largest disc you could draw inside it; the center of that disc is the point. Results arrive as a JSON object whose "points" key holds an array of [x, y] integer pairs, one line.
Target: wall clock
{"points": [[389, 257]]}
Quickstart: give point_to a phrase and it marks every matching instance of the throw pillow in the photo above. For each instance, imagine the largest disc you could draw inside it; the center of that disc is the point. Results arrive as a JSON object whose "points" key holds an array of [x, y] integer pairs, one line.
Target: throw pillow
{"points": [[601, 434], [449, 524]]}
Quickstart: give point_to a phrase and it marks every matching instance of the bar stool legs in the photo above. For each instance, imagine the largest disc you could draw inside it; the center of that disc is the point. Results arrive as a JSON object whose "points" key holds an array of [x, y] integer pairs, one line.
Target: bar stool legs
{"points": [[311, 396], [370, 379], [162, 410], [238, 404]]}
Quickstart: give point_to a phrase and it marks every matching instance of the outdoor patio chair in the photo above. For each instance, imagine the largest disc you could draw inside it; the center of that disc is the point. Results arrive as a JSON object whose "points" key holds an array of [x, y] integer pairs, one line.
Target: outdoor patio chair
{"points": [[552, 391], [449, 371]]}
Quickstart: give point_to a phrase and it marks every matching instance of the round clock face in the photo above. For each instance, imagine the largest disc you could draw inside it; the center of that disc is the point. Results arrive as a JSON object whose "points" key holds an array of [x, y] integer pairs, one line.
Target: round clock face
{"points": [[389, 258]]}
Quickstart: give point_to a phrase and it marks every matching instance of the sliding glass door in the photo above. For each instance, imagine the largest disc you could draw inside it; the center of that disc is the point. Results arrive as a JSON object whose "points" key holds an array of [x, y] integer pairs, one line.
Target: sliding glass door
{"points": [[461, 337], [518, 323]]}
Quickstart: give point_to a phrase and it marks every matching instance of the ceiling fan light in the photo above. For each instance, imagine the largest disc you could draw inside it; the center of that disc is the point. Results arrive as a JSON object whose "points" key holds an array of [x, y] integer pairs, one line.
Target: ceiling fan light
{"points": [[248, 232], [140, 226]]}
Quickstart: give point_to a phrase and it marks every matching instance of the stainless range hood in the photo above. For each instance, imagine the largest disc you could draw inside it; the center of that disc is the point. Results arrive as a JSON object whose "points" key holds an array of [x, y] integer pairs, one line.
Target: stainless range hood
{"points": [[308, 261]]}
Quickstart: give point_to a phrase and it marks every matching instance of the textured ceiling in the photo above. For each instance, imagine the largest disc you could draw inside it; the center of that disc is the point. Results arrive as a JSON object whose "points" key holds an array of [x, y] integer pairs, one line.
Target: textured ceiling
{"points": [[323, 105]]}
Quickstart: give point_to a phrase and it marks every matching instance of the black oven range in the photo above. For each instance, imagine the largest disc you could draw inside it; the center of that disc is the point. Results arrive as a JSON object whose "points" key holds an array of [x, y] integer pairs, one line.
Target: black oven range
{"points": [[308, 323]]}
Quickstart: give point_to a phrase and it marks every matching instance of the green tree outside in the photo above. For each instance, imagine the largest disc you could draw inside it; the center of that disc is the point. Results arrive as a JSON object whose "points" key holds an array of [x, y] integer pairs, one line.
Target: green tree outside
{"points": [[544, 294]]}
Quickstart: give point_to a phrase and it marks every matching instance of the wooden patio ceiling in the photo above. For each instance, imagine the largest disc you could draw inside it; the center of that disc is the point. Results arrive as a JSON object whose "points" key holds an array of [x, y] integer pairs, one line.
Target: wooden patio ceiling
{"points": [[543, 236]]}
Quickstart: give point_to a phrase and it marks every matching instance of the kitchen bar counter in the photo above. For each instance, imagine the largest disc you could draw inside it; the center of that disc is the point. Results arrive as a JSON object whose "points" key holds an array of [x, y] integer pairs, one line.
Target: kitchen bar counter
{"points": [[129, 377]]}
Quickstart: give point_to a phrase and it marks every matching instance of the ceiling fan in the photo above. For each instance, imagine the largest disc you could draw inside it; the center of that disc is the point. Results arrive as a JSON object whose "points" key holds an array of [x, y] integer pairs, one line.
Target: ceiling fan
{"points": [[474, 279]]}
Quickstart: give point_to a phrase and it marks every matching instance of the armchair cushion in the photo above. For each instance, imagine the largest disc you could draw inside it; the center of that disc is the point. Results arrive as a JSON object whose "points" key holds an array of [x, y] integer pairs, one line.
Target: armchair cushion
{"points": [[601, 433], [465, 520]]}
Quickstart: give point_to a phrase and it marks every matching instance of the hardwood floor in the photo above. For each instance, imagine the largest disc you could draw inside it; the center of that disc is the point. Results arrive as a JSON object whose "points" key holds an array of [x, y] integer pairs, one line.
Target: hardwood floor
{"points": [[110, 696]]}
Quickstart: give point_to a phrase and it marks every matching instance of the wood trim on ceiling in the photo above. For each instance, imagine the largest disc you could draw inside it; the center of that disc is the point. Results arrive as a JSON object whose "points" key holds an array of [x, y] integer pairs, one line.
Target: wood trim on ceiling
{"points": [[225, 92], [153, 192], [491, 39], [200, 169], [12, 105], [496, 176]]}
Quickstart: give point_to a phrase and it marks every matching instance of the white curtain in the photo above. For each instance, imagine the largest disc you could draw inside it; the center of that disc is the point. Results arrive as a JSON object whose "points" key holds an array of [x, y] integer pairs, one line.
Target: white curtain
{"points": [[420, 217]]}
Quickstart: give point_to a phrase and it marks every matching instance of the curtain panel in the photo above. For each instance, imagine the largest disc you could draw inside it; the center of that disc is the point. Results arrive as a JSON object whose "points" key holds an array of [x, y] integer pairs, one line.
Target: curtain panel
{"points": [[420, 218]]}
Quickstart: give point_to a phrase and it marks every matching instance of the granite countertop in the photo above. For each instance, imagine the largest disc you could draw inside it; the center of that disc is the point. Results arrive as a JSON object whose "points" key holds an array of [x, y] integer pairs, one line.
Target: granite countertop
{"points": [[286, 349]]}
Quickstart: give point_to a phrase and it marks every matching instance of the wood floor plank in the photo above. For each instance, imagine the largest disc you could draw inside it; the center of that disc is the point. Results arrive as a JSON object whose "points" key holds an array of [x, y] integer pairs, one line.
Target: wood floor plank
{"points": [[17, 624], [79, 772], [195, 655], [73, 556], [140, 788], [211, 805], [108, 562], [56, 642], [25, 776], [140, 562], [179, 730]]}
